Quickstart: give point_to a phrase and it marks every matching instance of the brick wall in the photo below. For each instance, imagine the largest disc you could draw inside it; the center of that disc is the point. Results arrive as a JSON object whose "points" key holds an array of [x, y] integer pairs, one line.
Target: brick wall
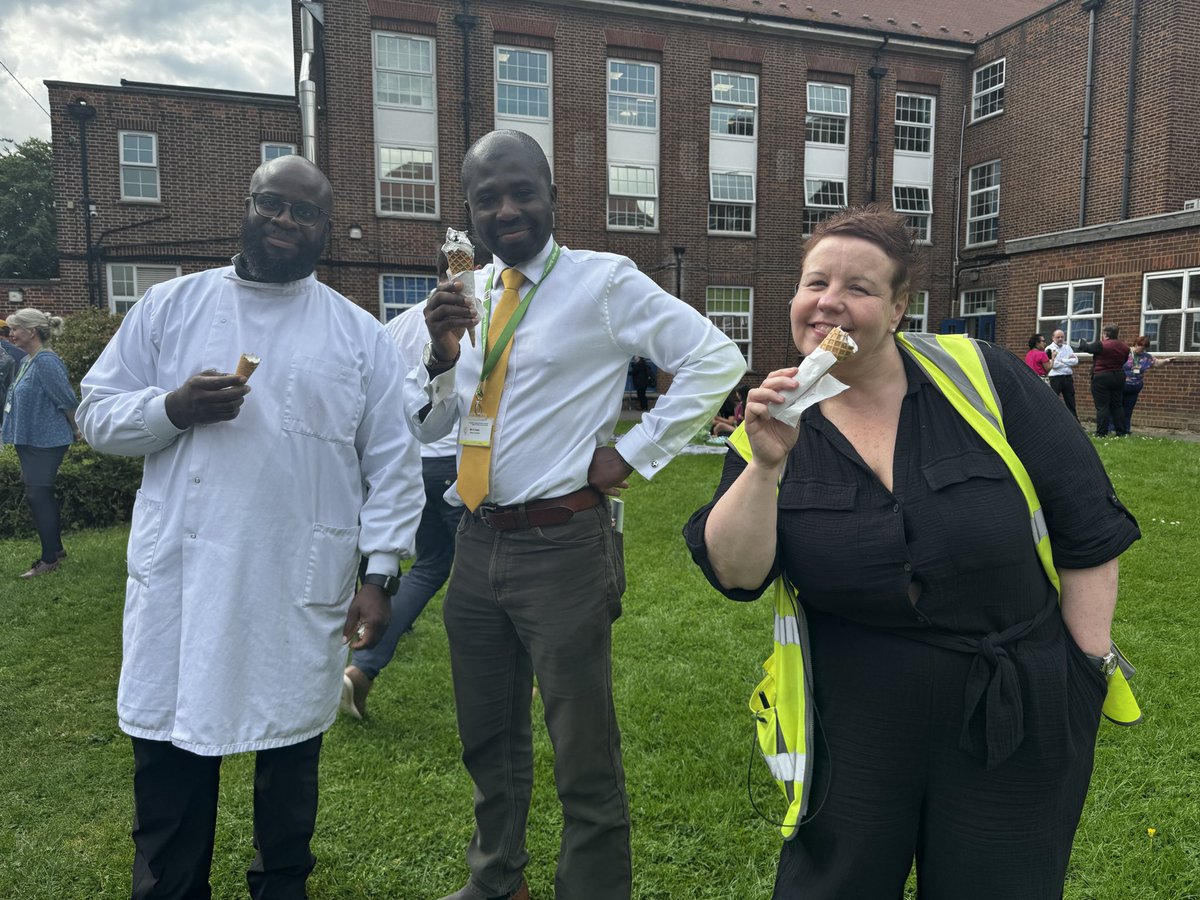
{"points": [[209, 145]]}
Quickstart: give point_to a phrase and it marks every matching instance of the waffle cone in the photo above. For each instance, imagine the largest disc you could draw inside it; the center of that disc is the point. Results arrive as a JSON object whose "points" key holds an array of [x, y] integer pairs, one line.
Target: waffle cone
{"points": [[459, 261], [247, 364], [839, 344]]}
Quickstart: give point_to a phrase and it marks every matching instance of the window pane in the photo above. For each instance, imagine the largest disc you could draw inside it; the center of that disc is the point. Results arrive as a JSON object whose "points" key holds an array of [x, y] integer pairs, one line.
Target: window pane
{"points": [[400, 197], [728, 87], [137, 149], [1054, 303], [819, 192], [729, 186], [730, 217], [911, 199], [403, 53], [828, 98], [624, 212], [396, 162], [824, 130], [139, 183], [632, 112], [1164, 293], [522, 65], [404, 90], [633, 180], [632, 78], [729, 120]]}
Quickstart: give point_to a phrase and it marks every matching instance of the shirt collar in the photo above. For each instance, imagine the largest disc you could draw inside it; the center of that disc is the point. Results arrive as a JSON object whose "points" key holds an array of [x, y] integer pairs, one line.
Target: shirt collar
{"points": [[532, 268]]}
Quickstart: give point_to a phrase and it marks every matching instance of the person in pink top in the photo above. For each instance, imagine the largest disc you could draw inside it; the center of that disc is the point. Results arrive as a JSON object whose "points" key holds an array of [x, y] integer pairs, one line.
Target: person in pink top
{"points": [[1036, 358]]}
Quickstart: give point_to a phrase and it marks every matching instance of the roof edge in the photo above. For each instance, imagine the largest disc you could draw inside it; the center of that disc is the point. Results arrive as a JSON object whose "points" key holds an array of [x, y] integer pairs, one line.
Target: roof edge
{"points": [[1106, 231]]}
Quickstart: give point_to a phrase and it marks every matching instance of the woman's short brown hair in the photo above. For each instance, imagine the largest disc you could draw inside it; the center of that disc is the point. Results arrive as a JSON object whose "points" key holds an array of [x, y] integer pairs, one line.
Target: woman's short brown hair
{"points": [[883, 227]]}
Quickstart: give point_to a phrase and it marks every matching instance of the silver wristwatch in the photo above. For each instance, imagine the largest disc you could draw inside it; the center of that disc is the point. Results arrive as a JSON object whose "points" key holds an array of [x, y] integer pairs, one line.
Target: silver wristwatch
{"points": [[1106, 663], [432, 362]]}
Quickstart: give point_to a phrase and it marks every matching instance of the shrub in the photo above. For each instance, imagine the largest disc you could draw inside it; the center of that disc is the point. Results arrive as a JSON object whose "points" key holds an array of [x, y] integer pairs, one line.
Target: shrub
{"points": [[94, 490], [84, 335]]}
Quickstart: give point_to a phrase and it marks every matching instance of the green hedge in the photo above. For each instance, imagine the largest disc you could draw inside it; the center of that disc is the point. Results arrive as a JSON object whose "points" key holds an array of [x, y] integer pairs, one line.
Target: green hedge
{"points": [[94, 490]]}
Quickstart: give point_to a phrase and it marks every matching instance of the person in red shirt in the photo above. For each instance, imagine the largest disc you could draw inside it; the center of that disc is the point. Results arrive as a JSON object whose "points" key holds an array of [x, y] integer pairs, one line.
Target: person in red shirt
{"points": [[1108, 378]]}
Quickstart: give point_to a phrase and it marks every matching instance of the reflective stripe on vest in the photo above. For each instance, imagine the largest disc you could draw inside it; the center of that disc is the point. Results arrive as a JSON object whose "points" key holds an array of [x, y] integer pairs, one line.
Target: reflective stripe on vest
{"points": [[781, 701], [955, 365]]}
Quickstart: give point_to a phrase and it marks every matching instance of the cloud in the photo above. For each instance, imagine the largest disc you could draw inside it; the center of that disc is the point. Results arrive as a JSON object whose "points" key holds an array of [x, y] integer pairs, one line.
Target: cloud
{"points": [[231, 44]]}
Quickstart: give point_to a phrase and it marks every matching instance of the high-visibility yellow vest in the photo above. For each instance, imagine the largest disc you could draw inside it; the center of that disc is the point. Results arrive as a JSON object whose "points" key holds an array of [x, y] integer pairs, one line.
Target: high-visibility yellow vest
{"points": [[781, 702]]}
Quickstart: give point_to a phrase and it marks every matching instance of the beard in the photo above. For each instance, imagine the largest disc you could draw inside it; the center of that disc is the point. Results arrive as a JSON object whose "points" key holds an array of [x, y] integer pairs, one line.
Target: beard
{"points": [[261, 266]]}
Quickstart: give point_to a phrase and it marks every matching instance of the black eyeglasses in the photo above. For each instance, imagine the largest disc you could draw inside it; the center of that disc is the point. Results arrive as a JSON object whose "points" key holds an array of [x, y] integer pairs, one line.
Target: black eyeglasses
{"points": [[269, 206]]}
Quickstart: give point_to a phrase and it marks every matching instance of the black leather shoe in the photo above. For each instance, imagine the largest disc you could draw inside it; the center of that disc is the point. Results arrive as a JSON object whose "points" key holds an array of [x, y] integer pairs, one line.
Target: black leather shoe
{"points": [[465, 893]]}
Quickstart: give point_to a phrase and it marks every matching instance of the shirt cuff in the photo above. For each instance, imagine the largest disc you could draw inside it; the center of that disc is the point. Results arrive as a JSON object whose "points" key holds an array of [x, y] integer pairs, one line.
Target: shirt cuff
{"points": [[383, 564], [158, 423], [646, 457]]}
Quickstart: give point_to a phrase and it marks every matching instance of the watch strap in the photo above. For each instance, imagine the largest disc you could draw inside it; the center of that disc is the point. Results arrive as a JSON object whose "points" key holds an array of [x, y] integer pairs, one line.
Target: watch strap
{"points": [[389, 584]]}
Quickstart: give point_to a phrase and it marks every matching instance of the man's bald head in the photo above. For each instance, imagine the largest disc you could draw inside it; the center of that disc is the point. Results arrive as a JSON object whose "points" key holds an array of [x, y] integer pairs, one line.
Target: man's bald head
{"points": [[297, 172]]}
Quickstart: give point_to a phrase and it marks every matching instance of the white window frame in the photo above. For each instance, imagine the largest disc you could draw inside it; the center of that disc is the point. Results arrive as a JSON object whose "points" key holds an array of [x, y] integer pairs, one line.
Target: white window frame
{"points": [[646, 103], [1074, 313], [422, 284], [382, 178], [718, 197], [820, 211], [270, 147], [501, 57], [142, 278], [735, 323], [911, 126], [624, 189], [137, 165], [1189, 316], [975, 310], [416, 74], [723, 84], [986, 92], [994, 215], [919, 214], [817, 108], [917, 312]]}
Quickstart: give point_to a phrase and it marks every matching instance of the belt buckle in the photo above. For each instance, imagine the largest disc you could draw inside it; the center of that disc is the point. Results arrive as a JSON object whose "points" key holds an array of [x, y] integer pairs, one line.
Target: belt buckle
{"points": [[485, 511]]}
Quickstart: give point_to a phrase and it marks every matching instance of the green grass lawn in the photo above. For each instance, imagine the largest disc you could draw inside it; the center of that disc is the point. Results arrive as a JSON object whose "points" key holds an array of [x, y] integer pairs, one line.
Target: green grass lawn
{"points": [[396, 804]]}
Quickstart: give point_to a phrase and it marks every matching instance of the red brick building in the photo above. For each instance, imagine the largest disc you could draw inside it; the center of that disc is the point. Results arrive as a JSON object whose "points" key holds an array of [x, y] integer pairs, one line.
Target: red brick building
{"points": [[1047, 152]]}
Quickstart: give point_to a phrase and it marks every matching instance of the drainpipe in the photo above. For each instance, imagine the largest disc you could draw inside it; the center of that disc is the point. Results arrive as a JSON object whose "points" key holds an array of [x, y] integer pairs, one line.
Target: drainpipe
{"points": [[466, 23], [83, 112], [958, 201], [311, 14], [679, 271], [1131, 80], [876, 72], [1092, 7]]}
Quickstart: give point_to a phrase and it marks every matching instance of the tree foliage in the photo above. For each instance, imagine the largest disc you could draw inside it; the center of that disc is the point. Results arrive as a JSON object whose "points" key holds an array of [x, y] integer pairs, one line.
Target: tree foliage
{"points": [[28, 233]]}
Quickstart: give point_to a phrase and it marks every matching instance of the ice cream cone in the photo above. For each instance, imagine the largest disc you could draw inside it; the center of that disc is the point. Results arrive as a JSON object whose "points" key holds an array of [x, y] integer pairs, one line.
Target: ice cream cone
{"points": [[840, 344], [247, 364]]}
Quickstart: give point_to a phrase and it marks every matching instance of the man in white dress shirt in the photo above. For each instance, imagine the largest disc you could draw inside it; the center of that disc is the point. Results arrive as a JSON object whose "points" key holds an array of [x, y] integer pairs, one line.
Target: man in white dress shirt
{"points": [[1062, 369], [247, 531], [539, 571]]}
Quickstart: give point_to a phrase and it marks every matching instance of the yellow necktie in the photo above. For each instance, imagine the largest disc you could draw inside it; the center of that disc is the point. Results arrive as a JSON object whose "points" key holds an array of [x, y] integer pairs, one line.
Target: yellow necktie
{"points": [[474, 466]]}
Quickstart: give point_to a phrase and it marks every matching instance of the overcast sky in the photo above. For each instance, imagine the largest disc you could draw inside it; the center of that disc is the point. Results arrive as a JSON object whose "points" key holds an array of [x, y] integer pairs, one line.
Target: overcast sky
{"points": [[234, 44]]}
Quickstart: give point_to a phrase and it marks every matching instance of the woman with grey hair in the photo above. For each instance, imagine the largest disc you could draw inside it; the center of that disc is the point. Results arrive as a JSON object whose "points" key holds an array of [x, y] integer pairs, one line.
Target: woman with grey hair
{"points": [[39, 420]]}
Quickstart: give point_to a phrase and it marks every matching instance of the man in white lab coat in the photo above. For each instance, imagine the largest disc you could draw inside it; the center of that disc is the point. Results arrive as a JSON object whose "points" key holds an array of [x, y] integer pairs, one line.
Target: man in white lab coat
{"points": [[255, 506]]}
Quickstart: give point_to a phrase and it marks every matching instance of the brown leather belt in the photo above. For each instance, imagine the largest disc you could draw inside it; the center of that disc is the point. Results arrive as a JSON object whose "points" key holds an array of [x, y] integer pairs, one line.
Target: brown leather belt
{"points": [[536, 513]]}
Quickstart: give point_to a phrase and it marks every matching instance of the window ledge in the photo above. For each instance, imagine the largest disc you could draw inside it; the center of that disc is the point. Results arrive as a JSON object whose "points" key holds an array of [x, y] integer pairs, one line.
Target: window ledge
{"points": [[993, 115]]}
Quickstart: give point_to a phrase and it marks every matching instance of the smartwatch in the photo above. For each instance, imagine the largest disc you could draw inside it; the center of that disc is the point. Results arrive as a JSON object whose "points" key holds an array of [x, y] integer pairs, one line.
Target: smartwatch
{"points": [[388, 583]]}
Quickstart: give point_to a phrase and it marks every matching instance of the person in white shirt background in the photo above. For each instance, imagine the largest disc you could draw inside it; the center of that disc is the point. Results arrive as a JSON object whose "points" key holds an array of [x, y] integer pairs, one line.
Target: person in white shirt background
{"points": [[435, 534], [1063, 361], [539, 569], [247, 531]]}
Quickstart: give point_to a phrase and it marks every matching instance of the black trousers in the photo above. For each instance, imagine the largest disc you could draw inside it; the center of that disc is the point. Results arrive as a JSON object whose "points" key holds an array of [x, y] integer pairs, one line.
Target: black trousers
{"points": [[39, 468], [1064, 386], [1108, 393], [175, 818], [892, 786]]}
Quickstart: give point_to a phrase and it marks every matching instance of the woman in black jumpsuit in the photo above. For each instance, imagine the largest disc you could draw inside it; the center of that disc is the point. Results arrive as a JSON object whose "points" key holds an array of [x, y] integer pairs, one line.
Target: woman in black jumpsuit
{"points": [[957, 710]]}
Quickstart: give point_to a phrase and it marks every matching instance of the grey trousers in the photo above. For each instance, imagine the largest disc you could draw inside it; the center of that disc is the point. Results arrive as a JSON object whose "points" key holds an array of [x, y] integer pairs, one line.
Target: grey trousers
{"points": [[541, 601]]}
